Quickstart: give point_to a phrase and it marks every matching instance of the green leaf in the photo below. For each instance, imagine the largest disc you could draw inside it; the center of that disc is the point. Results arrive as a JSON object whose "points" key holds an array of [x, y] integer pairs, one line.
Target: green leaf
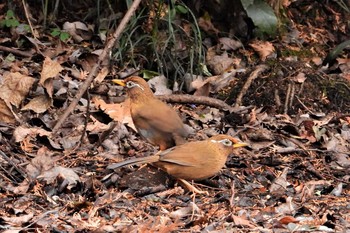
{"points": [[10, 14], [262, 16], [172, 13], [181, 9], [55, 32], [10, 58], [64, 36], [148, 74], [27, 28], [336, 51], [205, 70], [11, 23], [10, 20]]}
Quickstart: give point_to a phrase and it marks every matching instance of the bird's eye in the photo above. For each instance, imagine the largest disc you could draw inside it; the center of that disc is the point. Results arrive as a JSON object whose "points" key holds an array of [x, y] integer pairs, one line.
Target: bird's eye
{"points": [[130, 84], [226, 142]]}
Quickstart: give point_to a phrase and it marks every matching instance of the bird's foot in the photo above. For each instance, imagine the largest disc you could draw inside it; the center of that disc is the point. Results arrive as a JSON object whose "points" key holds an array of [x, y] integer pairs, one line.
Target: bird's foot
{"points": [[191, 188]]}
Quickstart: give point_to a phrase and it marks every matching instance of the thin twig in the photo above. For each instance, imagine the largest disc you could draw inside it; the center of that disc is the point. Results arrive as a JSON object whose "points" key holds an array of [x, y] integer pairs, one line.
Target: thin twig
{"points": [[232, 198], [27, 16], [16, 51], [259, 69], [292, 93], [287, 99], [16, 167], [191, 99], [104, 135], [87, 117], [34, 33], [96, 67], [277, 99], [302, 104], [40, 217]]}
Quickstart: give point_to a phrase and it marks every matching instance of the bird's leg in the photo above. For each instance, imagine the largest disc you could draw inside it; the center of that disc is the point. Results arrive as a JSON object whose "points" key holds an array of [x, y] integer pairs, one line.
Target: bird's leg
{"points": [[191, 188]]}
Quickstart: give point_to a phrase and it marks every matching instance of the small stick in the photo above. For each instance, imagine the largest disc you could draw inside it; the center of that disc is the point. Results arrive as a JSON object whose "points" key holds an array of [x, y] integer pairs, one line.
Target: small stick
{"points": [[287, 99], [205, 100], [95, 68], [292, 93], [232, 198], [277, 99], [15, 51], [259, 69], [34, 33]]}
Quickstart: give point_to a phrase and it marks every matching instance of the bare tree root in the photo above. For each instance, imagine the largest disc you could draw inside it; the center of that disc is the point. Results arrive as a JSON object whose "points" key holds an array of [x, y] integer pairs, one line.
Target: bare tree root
{"points": [[212, 102], [259, 69]]}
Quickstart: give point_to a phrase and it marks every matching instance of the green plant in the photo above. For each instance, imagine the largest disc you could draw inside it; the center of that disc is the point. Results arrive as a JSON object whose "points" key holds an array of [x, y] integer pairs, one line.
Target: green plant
{"points": [[63, 36], [343, 5], [263, 17], [10, 20], [164, 38]]}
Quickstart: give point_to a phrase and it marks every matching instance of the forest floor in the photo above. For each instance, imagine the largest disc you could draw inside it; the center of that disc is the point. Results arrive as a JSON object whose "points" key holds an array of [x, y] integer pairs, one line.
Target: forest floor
{"points": [[291, 109]]}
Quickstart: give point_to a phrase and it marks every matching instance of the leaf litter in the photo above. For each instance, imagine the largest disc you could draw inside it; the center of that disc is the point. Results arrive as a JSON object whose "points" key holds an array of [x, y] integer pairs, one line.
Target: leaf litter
{"points": [[293, 177]]}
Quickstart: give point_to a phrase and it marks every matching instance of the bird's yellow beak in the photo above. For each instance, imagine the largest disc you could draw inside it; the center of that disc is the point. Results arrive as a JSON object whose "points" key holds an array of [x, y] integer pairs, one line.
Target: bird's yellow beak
{"points": [[240, 144], [120, 82]]}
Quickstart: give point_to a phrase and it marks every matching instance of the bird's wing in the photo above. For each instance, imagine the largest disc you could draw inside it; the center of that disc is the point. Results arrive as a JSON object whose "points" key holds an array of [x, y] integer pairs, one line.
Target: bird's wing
{"points": [[186, 154], [162, 117]]}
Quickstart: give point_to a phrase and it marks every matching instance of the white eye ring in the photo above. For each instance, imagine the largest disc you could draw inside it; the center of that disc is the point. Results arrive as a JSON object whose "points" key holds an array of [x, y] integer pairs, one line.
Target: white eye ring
{"points": [[226, 142], [131, 84]]}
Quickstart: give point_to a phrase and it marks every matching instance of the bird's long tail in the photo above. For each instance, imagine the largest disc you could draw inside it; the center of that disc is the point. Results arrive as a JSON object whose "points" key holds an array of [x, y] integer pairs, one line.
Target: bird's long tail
{"points": [[149, 159]]}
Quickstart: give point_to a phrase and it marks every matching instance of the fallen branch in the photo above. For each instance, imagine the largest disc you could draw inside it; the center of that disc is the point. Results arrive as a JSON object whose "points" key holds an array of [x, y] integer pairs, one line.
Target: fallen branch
{"points": [[16, 51], [259, 69], [192, 99], [96, 67]]}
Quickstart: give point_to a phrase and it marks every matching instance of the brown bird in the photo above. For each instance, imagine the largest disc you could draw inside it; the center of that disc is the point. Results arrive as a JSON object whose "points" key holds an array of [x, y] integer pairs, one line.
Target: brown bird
{"points": [[155, 121], [191, 161]]}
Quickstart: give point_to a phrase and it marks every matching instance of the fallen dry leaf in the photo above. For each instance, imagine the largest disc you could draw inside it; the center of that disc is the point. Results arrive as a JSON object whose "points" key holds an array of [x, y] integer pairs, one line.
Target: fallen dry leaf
{"points": [[159, 83], [288, 219], [206, 24], [263, 48], [118, 112], [219, 63], [280, 184], [101, 75], [18, 221], [38, 104], [21, 132], [6, 114], [192, 208], [42, 162], [203, 86], [21, 188], [14, 88], [78, 30], [300, 78], [50, 70], [242, 221], [94, 127], [66, 173], [230, 44]]}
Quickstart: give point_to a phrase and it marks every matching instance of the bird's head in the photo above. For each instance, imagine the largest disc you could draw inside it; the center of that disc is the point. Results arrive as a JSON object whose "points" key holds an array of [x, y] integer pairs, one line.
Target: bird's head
{"points": [[135, 85], [226, 143]]}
